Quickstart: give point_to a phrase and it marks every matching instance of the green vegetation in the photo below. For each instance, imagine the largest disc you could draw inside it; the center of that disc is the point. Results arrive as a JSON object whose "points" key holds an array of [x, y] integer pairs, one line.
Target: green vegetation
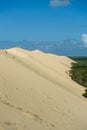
{"points": [[78, 72], [85, 94]]}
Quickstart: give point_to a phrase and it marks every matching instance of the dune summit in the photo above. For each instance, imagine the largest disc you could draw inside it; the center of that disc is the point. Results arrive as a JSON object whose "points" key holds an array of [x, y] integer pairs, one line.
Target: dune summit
{"points": [[36, 92]]}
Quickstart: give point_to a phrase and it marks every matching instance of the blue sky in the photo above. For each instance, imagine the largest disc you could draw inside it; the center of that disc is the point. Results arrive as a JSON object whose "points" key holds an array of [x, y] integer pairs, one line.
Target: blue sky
{"points": [[42, 20]]}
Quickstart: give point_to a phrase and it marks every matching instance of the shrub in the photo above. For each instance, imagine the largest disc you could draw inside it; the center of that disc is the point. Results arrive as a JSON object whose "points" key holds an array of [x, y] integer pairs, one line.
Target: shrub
{"points": [[85, 94]]}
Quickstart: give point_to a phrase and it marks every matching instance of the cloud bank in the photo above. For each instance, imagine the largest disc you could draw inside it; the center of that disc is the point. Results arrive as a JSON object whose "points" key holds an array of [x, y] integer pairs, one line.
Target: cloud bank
{"points": [[84, 39], [59, 3]]}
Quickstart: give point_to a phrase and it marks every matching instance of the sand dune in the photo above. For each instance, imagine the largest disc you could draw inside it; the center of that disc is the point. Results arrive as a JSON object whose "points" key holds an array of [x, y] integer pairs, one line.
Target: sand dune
{"points": [[36, 92]]}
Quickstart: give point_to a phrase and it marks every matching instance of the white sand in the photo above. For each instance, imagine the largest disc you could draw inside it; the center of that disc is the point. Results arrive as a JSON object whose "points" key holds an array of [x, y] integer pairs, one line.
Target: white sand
{"points": [[36, 92]]}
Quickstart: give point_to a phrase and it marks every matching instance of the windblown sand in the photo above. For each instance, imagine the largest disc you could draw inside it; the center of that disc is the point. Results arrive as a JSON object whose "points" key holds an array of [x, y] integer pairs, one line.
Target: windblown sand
{"points": [[36, 92]]}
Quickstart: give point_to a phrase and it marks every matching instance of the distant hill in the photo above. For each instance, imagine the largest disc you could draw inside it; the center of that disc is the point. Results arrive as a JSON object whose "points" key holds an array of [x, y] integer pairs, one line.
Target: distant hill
{"points": [[68, 47]]}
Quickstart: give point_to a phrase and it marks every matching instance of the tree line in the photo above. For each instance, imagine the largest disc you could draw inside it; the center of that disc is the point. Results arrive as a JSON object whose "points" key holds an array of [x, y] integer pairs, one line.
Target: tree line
{"points": [[78, 72]]}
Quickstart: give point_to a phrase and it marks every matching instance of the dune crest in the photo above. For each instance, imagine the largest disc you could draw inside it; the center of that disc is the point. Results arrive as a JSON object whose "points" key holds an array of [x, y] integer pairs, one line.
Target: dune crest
{"points": [[36, 92]]}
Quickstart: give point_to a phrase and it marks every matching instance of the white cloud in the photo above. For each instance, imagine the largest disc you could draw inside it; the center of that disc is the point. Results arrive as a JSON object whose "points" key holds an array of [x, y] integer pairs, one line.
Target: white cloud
{"points": [[59, 3], [84, 39]]}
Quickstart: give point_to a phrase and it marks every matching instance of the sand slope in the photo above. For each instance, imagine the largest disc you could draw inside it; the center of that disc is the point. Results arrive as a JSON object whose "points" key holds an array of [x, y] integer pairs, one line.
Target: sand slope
{"points": [[36, 92]]}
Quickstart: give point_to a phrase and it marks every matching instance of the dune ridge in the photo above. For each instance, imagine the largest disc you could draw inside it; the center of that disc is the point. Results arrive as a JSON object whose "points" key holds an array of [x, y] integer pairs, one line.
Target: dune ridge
{"points": [[36, 92]]}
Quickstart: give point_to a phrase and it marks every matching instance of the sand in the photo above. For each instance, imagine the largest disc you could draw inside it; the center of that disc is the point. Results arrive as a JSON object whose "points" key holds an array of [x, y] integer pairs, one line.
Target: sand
{"points": [[37, 93]]}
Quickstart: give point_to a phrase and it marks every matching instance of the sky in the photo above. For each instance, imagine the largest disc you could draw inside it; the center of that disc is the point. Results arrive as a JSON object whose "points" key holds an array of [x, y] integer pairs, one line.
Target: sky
{"points": [[43, 20]]}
